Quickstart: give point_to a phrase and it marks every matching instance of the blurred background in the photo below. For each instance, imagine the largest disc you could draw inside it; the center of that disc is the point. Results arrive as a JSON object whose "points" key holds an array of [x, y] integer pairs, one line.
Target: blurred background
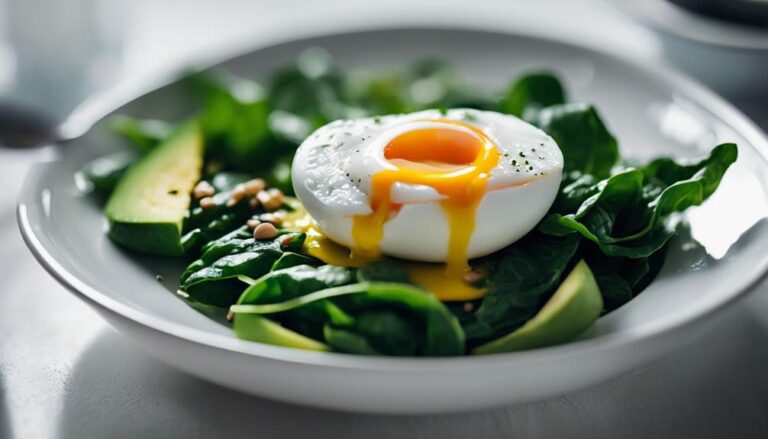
{"points": [[64, 374], [55, 54]]}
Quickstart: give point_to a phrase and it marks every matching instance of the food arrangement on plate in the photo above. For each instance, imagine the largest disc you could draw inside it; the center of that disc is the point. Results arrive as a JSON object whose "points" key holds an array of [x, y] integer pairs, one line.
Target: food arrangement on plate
{"points": [[397, 211]]}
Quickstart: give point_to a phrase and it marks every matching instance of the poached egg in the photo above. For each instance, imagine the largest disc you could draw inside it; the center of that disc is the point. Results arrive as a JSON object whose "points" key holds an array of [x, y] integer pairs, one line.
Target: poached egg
{"points": [[430, 186]]}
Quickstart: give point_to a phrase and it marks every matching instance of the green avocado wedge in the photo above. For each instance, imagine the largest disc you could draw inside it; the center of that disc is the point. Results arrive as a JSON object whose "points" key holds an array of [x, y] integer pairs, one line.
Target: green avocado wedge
{"points": [[573, 308], [261, 329], [148, 206]]}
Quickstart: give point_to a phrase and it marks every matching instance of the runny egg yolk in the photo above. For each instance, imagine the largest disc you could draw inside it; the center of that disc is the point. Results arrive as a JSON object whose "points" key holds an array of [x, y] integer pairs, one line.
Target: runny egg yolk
{"points": [[454, 159], [431, 277]]}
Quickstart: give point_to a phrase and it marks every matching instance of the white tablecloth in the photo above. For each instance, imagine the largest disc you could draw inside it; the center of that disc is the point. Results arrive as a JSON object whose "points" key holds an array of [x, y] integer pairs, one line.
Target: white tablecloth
{"points": [[64, 373]]}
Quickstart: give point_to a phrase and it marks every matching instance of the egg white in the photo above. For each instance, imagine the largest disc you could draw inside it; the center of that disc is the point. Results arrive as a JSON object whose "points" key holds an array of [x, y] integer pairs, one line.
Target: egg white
{"points": [[332, 172]]}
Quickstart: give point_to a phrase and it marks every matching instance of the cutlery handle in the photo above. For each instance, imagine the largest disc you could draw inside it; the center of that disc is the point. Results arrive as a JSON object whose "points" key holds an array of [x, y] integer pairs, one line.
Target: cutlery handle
{"points": [[24, 128]]}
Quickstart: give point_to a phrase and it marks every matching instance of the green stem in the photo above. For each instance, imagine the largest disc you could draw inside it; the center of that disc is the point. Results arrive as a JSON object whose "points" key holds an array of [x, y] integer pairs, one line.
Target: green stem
{"points": [[272, 308]]}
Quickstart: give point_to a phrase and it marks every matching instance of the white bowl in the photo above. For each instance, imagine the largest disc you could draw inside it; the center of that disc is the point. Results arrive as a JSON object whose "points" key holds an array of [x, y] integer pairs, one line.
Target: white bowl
{"points": [[651, 110]]}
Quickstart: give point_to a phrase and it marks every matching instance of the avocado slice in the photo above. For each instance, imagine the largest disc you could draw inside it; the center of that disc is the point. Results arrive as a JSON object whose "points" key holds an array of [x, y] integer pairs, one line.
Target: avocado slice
{"points": [[256, 328], [148, 206], [573, 308]]}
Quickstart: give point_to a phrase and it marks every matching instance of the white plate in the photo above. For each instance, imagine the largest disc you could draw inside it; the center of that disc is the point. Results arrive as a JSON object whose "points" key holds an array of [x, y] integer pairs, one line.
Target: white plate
{"points": [[651, 110]]}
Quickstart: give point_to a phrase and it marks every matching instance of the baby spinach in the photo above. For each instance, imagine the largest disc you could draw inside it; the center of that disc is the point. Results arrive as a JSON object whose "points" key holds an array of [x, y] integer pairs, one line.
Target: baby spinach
{"points": [[384, 270], [310, 88], [143, 134], [286, 284], [524, 277], [291, 259], [620, 279], [532, 92], [387, 318], [348, 341], [624, 214], [704, 175], [574, 189], [587, 145], [103, 173], [212, 279], [234, 120], [205, 225]]}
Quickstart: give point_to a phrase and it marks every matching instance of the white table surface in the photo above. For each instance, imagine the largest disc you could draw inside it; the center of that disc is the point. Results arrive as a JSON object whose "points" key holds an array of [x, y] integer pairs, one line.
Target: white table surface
{"points": [[65, 374]]}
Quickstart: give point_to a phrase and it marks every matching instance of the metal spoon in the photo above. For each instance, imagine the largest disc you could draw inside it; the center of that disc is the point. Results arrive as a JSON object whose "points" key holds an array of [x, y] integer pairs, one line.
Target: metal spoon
{"points": [[21, 128], [750, 12]]}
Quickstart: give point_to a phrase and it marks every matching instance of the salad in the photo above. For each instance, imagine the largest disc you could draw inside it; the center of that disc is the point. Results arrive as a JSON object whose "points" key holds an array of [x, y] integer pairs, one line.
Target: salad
{"points": [[396, 211]]}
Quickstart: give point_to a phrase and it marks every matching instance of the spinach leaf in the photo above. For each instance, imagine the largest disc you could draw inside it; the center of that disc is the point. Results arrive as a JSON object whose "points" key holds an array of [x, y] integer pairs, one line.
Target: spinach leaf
{"points": [[212, 279], [202, 226], [620, 279], [704, 175], [624, 215], [387, 331], [143, 134], [384, 270], [291, 259], [574, 190], [421, 85], [523, 279], [587, 145], [102, 174], [364, 317], [310, 89], [348, 341], [234, 119], [289, 283], [285, 284], [532, 92]]}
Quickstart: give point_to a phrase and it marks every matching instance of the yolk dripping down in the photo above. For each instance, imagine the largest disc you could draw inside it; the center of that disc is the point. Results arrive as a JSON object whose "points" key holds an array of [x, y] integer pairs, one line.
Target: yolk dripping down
{"points": [[456, 163], [431, 277]]}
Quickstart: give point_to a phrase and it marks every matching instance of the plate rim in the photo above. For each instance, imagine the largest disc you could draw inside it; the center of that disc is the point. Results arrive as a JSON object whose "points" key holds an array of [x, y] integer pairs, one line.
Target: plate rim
{"points": [[657, 71]]}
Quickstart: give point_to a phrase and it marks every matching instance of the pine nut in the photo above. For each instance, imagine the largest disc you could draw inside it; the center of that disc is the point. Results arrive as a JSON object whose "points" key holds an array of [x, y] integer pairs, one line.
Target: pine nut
{"points": [[472, 277], [203, 189], [276, 193], [253, 187], [207, 203], [271, 218], [238, 193], [271, 199], [264, 231], [253, 223]]}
